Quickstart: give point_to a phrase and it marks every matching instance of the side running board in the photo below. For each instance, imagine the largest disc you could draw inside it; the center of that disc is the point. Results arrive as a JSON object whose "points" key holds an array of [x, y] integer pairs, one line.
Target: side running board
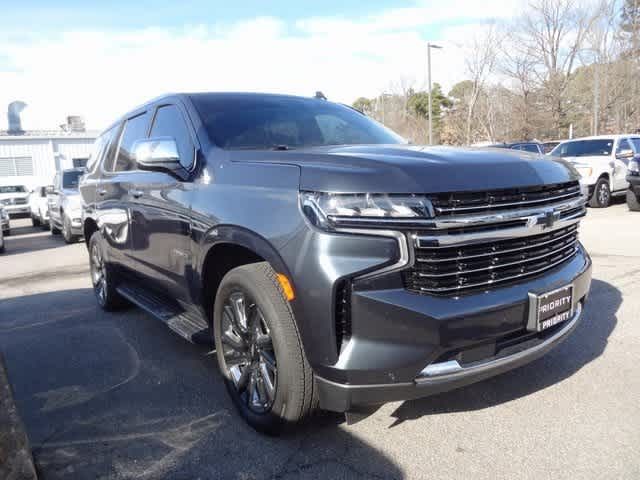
{"points": [[189, 326]]}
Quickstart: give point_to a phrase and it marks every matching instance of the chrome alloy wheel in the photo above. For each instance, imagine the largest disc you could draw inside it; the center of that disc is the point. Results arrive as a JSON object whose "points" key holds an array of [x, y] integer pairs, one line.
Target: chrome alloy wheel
{"points": [[248, 352], [603, 194], [98, 274]]}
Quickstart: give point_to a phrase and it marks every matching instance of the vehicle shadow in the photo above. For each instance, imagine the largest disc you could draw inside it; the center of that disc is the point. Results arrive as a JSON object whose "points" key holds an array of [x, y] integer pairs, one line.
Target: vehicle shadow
{"points": [[30, 239], [117, 395], [586, 343]]}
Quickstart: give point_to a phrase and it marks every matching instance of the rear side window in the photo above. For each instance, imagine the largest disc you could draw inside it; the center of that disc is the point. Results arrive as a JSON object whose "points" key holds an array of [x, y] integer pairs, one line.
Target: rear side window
{"points": [[623, 144], [99, 148], [169, 122], [529, 147], [636, 144], [134, 129]]}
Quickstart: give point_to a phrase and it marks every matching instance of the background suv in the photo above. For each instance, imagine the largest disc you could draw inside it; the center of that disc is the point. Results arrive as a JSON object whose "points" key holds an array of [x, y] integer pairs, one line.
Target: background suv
{"points": [[332, 264], [15, 199], [65, 208], [602, 163]]}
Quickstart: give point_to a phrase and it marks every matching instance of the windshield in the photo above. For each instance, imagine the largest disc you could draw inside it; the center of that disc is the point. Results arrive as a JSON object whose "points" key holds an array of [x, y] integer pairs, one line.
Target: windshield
{"points": [[636, 144], [71, 179], [584, 148], [268, 122], [13, 189]]}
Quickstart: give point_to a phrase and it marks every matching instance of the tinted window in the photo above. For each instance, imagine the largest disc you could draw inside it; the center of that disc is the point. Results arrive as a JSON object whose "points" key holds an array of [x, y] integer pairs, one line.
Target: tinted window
{"points": [[529, 147], [264, 122], [71, 179], [134, 129], [623, 144], [100, 146], [584, 148], [636, 144], [13, 189], [169, 122]]}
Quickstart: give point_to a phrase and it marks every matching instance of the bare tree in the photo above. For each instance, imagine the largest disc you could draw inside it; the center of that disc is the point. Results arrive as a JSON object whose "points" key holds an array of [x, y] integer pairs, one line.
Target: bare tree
{"points": [[480, 62], [553, 32]]}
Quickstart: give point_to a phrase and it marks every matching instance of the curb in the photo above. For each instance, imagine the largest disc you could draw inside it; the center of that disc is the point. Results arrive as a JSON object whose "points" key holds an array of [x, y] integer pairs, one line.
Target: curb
{"points": [[16, 462]]}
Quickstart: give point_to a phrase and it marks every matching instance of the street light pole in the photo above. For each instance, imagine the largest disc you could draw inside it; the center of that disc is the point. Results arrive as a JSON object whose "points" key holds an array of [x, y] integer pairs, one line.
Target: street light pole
{"points": [[429, 47]]}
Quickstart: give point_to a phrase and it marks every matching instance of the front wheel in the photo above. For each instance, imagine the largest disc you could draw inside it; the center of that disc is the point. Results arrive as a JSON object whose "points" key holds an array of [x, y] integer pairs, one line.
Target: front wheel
{"points": [[103, 277], [66, 231], [633, 202], [259, 350], [601, 197]]}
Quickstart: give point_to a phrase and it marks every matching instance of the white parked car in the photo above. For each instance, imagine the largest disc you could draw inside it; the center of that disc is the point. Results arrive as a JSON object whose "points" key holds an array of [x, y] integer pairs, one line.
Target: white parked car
{"points": [[39, 207], [602, 162], [15, 199], [5, 222]]}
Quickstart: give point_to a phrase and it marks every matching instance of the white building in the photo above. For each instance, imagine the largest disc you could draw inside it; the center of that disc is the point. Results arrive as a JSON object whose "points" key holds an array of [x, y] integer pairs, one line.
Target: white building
{"points": [[32, 158]]}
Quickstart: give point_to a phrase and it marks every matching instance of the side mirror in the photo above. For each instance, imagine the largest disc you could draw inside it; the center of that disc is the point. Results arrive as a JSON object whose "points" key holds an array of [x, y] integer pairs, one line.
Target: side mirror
{"points": [[626, 153], [157, 154]]}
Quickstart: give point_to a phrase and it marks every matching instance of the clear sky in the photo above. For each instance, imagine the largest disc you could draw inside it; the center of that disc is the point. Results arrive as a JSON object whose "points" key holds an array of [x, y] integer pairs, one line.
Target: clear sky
{"points": [[98, 59]]}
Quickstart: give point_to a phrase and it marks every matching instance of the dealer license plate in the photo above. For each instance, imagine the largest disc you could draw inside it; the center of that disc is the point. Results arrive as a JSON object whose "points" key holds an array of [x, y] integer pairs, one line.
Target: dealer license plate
{"points": [[551, 308]]}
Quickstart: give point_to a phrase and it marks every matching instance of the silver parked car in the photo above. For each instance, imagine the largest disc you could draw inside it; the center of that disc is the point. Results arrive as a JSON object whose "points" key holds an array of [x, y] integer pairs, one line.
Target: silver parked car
{"points": [[65, 207]]}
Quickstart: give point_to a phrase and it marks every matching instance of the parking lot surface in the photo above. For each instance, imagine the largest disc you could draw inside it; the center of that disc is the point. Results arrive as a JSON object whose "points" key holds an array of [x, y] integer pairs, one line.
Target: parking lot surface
{"points": [[118, 395]]}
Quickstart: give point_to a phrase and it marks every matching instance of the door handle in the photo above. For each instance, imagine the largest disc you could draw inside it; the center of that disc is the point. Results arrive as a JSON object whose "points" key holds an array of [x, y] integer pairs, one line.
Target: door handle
{"points": [[135, 193], [102, 192]]}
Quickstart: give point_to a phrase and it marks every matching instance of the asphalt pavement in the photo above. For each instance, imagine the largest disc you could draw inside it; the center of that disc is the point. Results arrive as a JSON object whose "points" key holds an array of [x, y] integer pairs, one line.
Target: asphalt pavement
{"points": [[118, 395]]}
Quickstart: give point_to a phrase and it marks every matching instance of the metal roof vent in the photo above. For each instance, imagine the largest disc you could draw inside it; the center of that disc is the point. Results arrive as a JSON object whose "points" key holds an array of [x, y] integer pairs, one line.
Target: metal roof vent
{"points": [[13, 114]]}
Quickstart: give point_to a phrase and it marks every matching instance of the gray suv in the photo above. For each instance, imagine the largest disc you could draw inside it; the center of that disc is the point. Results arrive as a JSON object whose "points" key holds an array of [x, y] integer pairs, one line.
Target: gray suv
{"points": [[333, 265]]}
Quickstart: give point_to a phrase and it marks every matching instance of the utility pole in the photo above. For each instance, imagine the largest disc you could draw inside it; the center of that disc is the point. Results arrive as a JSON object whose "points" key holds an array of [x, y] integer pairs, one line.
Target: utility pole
{"points": [[429, 47]]}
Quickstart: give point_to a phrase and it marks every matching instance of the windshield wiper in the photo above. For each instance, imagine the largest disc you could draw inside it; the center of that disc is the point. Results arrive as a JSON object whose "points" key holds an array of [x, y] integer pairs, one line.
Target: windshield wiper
{"points": [[281, 147]]}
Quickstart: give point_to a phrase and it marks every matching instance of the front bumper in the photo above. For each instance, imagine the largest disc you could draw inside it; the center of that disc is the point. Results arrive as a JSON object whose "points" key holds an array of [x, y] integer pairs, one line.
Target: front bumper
{"points": [[17, 209], [398, 334]]}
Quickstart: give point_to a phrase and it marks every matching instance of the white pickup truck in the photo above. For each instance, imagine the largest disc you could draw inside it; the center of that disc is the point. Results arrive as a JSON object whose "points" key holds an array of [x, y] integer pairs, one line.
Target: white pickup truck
{"points": [[602, 162]]}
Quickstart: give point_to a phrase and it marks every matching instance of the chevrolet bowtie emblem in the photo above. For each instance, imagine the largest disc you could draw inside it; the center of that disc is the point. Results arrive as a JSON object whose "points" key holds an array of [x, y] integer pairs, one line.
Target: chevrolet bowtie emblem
{"points": [[549, 218]]}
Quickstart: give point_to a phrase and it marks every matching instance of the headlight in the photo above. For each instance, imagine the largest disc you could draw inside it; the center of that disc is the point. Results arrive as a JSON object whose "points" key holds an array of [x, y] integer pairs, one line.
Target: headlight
{"points": [[328, 209], [585, 172], [633, 167]]}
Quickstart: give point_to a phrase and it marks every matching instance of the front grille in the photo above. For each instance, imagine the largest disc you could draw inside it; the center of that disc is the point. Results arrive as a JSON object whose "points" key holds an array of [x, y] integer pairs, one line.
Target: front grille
{"points": [[456, 269], [20, 201], [491, 201]]}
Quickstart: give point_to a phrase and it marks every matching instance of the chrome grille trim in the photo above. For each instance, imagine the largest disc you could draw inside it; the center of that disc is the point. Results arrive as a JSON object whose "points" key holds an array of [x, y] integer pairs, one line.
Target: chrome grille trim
{"points": [[488, 254], [452, 203], [501, 265], [501, 280], [501, 205], [471, 251], [533, 226]]}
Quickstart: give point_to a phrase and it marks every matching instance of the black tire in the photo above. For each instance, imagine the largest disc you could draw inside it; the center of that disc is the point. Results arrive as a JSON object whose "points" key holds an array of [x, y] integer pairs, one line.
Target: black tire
{"points": [[66, 231], [293, 397], [633, 202], [44, 225], [601, 197], [52, 228], [35, 221], [103, 276]]}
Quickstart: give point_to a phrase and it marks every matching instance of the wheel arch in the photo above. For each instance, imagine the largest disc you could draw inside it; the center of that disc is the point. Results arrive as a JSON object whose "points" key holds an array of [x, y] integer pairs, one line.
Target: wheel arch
{"points": [[89, 228], [226, 247]]}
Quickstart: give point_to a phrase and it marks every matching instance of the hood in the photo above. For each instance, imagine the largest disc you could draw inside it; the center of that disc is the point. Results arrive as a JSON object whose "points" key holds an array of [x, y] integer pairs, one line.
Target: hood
{"points": [[415, 169]]}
